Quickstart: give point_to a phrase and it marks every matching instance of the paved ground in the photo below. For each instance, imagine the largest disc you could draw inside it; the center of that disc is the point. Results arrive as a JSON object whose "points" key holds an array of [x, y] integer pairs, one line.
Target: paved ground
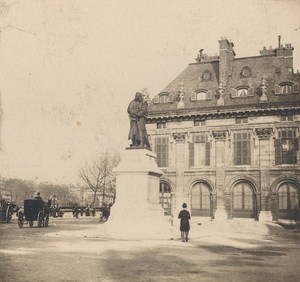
{"points": [[237, 250]]}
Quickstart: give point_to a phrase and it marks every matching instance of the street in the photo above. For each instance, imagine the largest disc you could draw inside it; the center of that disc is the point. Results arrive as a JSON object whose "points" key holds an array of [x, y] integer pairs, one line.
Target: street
{"points": [[212, 254]]}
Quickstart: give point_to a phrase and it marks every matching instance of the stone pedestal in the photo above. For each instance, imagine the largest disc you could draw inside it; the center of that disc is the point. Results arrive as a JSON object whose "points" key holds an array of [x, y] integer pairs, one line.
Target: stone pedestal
{"points": [[265, 216], [220, 213], [137, 212]]}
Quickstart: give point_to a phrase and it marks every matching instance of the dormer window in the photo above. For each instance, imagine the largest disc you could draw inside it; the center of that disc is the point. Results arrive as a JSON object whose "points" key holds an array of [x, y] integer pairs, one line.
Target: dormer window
{"points": [[201, 95], [242, 92], [163, 99], [286, 88]]}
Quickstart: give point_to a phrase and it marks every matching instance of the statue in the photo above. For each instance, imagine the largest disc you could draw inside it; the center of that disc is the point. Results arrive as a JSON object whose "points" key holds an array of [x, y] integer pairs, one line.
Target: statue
{"points": [[220, 92], [138, 110]]}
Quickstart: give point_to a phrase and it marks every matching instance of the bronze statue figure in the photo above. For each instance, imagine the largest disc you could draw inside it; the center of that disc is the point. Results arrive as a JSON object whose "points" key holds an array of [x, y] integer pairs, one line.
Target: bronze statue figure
{"points": [[138, 110]]}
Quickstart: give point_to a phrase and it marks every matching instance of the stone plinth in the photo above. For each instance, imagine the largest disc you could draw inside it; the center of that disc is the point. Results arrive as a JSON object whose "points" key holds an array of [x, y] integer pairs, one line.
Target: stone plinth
{"points": [[137, 212], [265, 216]]}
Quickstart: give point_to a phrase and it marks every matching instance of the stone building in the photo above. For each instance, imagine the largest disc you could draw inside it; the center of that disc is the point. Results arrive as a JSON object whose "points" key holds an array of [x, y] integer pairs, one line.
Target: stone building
{"points": [[226, 135]]}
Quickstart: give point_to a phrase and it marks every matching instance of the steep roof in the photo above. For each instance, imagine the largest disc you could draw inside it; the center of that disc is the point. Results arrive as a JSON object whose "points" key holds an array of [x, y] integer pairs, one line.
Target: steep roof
{"points": [[244, 73]]}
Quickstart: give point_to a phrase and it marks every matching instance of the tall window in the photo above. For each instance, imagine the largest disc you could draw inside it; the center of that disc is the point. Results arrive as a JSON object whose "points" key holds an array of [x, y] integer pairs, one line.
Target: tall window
{"points": [[241, 120], [243, 201], [243, 197], [199, 151], [286, 147], [199, 122], [286, 118], [165, 196], [242, 148], [161, 125], [162, 151], [200, 204], [288, 197]]}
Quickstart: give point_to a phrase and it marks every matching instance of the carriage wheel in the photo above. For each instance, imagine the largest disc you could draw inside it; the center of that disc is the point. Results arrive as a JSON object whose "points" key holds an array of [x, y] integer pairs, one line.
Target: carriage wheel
{"points": [[30, 223], [40, 219], [46, 221], [20, 219]]}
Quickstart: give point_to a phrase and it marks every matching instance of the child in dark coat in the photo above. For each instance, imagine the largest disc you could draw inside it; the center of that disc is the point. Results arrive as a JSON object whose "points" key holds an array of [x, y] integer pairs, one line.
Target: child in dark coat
{"points": [[184, 216]]}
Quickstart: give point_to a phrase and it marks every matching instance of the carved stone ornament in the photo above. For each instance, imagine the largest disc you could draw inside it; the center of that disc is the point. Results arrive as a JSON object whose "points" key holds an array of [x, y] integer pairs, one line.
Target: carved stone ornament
{"points": [[264, 133], [220, 91], [179, 137], [220, 135], [181, 104], [264, 87]]}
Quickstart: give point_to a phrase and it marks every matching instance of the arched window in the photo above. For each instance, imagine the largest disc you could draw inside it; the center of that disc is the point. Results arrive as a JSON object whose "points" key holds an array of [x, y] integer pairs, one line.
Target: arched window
{"points": [[288, 201], [165, 196], [200, 199], [243, 201]]}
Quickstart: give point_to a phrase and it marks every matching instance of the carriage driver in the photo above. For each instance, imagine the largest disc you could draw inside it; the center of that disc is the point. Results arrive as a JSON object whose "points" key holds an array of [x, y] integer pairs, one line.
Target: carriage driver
{"points": [[37, 195]]}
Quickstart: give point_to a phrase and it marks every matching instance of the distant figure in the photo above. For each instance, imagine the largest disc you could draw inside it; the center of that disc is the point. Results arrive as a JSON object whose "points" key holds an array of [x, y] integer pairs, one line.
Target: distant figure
{"points": [[135, 112], [105, 213], [184, 216]]}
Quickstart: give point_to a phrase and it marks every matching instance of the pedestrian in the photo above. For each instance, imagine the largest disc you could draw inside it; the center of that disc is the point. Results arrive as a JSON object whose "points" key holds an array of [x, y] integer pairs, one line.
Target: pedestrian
{"points": [[184, 216]]}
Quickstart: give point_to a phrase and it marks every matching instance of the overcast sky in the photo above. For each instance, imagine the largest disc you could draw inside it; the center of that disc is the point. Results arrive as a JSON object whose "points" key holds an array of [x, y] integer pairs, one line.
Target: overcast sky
{"points": [[70, 68]]}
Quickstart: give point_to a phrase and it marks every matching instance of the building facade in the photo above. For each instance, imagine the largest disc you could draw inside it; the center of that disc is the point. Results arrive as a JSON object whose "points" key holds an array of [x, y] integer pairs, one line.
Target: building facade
{"points": [[226, 135]]}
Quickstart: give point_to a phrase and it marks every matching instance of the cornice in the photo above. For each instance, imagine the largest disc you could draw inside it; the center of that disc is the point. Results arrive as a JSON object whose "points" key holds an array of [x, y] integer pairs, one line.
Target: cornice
{"points": [[224, 112]]}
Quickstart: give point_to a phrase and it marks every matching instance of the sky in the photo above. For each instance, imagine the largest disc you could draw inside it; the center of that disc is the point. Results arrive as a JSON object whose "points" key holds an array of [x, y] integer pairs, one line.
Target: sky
{"points": [[68, 69]]}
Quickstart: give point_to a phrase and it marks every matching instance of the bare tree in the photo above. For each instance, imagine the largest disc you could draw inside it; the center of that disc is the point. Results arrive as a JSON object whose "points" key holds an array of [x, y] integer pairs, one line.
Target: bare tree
{"points": [[98, 175]]}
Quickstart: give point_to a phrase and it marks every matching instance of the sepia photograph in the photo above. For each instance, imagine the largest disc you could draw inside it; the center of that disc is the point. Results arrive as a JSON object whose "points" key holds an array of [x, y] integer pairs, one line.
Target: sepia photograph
{"points": [[149, 140]]}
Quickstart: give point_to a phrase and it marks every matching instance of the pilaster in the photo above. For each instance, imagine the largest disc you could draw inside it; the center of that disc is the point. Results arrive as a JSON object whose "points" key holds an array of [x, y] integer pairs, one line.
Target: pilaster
{"points": [[220, 139], [181, 194], [264, 135]]}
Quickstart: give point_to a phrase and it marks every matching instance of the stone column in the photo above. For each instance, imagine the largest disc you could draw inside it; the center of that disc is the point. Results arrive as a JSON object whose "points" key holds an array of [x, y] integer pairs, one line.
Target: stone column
{"points": [[220, 138], [181, 194], [264, 135]]}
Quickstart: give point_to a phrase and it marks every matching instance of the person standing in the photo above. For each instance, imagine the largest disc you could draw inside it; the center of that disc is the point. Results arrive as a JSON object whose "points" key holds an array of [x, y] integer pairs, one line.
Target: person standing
{"points": [[184, 217]]}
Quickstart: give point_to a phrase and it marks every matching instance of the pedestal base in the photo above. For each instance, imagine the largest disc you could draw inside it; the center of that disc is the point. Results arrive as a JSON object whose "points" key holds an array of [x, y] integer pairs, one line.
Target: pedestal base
{"points": [[220, 215], [265, 216], [137, 212]]}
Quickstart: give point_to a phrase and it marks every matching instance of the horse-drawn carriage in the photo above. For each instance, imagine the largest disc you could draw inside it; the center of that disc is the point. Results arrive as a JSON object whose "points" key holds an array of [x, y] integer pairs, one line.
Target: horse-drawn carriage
{"points": [[34, 210], [6, 210]]}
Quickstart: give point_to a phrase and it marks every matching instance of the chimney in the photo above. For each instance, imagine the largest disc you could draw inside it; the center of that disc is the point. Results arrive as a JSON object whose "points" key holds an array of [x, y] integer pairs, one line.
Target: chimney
{"points": [[226, 58], [285, 52]]}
